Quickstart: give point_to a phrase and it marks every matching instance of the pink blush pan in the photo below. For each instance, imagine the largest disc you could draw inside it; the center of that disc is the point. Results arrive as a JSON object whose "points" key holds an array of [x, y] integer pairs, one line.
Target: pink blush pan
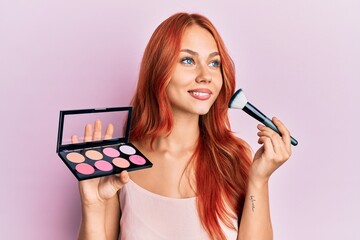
{"points": [[85, 168], [103, 165], [111, 152], [138, 160]]}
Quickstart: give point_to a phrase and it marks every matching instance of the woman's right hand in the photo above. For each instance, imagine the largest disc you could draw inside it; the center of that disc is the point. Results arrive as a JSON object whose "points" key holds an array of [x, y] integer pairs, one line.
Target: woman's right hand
{"points": [[98, 190]]}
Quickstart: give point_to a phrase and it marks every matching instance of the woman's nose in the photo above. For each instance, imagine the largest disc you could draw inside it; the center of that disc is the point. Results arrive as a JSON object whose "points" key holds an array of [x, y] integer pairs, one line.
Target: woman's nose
{"points": [[203, 75]]}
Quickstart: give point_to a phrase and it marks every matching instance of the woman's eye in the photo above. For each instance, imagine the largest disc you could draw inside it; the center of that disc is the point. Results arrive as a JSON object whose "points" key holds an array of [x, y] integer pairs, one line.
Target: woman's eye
{"points": [[187, 60], [215, 63]]}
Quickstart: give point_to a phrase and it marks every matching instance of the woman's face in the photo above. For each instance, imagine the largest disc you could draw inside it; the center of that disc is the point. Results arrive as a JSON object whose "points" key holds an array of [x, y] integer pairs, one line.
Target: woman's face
{"points": [[197, 79]]}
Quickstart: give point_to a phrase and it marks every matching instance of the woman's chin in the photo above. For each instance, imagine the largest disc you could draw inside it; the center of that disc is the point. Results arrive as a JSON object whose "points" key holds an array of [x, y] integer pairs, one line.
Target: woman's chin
{"points": [[203, 111]]}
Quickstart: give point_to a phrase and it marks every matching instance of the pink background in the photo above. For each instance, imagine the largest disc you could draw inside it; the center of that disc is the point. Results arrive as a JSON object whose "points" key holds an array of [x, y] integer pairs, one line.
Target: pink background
{"points": [[298, 60]]}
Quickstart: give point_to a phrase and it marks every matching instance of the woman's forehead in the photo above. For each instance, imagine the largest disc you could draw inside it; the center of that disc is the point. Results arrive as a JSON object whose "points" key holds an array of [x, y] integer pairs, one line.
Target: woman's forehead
{"points": [[198, 39]]}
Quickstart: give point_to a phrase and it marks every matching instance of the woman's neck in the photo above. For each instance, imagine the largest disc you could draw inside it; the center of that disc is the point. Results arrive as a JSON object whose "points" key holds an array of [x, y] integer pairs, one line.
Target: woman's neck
{"points": [[183, 136]]}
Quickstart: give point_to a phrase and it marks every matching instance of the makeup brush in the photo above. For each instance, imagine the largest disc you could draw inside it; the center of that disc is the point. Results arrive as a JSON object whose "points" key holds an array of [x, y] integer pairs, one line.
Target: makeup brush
{"points": [[239, 101]]}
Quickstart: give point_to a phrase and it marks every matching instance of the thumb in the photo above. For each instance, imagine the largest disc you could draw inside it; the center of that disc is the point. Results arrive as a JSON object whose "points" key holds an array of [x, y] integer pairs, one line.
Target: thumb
{"points": [[120, 180], [110, 185]]}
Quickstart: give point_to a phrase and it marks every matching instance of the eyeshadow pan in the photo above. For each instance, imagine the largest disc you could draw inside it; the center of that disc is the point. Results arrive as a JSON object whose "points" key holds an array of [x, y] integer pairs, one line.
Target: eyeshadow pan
{"points": [[111, 152], [138, 160], [103, 165], [85, 168], [94, 155], [75, 157], [121, 162], [127, 149]]}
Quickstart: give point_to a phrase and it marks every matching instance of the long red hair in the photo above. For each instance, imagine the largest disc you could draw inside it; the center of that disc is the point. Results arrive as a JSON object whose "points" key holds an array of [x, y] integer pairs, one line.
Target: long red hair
{"points": [[221, 160]]}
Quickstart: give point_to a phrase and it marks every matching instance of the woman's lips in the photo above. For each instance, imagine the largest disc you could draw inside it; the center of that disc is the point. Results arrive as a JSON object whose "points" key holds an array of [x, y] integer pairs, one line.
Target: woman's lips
{"points": [[200, 94]]}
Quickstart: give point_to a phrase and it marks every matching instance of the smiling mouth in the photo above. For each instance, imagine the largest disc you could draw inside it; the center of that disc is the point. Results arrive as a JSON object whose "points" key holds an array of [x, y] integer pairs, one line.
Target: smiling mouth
{"points": [[201, 95]]}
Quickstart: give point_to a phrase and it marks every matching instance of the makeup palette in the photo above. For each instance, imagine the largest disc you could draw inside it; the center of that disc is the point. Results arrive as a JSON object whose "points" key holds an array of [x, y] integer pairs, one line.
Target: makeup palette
{"points": [[91, 159]]}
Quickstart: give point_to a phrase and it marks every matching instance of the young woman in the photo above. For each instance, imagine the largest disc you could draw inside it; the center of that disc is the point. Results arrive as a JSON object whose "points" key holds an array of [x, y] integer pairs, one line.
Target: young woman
{"points": [[204, 183]]}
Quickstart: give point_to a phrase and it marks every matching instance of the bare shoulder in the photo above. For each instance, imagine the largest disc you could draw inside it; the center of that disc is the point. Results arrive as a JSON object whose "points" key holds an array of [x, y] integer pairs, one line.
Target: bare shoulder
{"points": [[167, 176], [144, 177]]}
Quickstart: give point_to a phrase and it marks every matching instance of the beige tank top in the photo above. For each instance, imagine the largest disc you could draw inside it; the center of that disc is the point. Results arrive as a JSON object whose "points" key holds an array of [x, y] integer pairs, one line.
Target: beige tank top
{"points": [[149, 216]]}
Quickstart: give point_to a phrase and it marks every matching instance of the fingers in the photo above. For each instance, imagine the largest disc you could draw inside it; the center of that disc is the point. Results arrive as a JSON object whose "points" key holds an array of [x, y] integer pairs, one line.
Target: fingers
{"points": [[96, 134], [88, 133], [285, 133], [268, 146], [74, 139], [276, 147], [273, 137], [97, 130], [109, 131]]}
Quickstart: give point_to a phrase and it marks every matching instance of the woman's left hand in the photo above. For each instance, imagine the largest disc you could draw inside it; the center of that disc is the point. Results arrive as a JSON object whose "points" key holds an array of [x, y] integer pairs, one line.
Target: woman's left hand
{"points": [[275, 150]]}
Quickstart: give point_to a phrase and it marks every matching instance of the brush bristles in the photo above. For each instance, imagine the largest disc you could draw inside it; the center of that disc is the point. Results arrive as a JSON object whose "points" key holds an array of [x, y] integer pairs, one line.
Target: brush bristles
{"points": [[238, 100]]}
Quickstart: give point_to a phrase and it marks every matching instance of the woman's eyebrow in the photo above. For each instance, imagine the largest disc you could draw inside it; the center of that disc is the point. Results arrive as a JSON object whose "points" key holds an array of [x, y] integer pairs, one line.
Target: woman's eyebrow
{"points": [[191, 52], [214, 54]]}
